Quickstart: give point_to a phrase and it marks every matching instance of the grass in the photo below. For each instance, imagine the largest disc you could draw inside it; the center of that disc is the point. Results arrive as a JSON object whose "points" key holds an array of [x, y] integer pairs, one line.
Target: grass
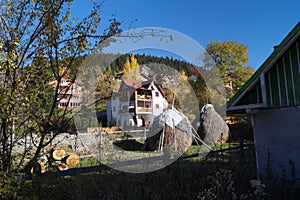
{"points": [[183, 179], [136, 147], [222, 175], [225, 173]]}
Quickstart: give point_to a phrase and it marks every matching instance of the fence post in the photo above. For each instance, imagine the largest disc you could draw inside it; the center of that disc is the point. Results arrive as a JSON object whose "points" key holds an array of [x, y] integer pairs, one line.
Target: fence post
{"points": [[123, 134]]}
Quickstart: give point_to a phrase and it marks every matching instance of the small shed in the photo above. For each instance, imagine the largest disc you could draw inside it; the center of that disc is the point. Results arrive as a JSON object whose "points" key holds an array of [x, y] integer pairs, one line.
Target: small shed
{"points": [[272, 99]]}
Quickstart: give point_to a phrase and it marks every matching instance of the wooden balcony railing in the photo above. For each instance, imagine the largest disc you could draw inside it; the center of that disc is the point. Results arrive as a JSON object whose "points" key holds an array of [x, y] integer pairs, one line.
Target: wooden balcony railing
{"points": [[144, 97], [139, 109]]}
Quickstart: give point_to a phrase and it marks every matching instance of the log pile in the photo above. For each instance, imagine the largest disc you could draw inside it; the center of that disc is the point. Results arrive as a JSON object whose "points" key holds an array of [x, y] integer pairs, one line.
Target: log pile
{"points": [[58, 158], [62, 160]]}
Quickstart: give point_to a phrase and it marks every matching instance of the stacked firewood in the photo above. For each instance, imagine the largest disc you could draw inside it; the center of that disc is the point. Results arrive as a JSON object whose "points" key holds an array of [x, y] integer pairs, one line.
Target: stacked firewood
{"points": [[58, 158], [63, 160]]}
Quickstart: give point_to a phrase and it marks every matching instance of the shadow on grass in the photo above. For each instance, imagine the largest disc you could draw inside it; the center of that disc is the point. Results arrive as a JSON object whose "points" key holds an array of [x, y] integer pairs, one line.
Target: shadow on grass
{"points": [[221, 175], [184, 179], [129, 145]]}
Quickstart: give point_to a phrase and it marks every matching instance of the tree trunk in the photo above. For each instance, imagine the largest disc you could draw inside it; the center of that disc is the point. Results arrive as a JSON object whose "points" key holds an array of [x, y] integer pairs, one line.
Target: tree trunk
{"points": [[5, 157]]}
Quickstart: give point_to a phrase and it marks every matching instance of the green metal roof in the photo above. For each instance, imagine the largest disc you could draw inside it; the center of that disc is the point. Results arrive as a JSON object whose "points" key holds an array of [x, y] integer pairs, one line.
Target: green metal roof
{"points": [[256, 75]]}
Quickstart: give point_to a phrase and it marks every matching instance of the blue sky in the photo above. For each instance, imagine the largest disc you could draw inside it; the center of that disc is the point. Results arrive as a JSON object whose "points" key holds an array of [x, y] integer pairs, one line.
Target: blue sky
{"points": [[258, 24]]}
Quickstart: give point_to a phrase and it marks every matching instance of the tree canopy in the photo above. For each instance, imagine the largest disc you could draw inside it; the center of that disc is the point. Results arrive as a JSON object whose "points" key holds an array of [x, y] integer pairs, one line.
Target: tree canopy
{"points": [[131, 69], [231, 59], [39, 41]]}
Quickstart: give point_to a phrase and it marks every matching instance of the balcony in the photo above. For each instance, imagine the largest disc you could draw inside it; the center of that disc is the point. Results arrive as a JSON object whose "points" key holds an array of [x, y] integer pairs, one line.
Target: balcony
{"points": [[144, 110], [144, 97]]}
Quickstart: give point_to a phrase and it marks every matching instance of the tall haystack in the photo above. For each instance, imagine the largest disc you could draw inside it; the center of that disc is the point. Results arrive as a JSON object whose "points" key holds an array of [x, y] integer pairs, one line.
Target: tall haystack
{"points": [[170, 131], [210, 126]]}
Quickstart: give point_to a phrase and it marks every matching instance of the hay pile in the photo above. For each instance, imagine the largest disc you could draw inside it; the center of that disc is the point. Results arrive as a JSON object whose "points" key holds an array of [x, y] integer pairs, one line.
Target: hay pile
{"points": [[210, 126], [170, 131]]}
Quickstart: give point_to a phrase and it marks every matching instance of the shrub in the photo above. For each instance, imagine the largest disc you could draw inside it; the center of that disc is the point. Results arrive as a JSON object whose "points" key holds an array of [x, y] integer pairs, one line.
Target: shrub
{"points": [[9, 186]]}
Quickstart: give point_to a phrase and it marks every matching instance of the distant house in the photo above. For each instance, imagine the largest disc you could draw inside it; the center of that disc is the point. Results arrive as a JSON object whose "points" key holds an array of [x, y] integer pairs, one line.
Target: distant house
{"points": [[146, 73], [272, 98], [136, 103], [69, 93]]}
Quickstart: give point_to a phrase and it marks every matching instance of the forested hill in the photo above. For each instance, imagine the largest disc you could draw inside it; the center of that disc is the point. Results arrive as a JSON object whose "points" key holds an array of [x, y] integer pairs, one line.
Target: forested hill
{"points": [[117, 65], [174, 63]]}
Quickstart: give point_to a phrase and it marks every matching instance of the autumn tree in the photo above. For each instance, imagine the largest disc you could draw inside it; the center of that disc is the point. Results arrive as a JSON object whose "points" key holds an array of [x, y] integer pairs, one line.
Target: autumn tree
{"points": [[231, 59], [131, 69], [39, 41], [105, 87]]}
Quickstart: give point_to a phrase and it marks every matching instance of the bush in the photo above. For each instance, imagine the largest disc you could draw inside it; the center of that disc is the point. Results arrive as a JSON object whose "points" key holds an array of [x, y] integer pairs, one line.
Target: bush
{"points": [[9, 186]]}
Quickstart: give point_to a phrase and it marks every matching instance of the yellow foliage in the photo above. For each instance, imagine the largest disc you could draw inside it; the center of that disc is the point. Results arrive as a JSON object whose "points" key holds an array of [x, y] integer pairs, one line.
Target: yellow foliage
{"points": [[133, 62], [62, 70], [184, 76], [127, 66], [131, 69]]}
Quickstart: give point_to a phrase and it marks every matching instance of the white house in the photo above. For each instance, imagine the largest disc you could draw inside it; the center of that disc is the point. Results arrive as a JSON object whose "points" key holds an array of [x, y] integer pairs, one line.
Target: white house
{"points": [[136, 103]]}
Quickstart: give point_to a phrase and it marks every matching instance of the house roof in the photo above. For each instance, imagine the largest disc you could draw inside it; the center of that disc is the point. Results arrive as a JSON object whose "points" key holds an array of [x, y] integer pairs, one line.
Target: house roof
{"points": [[278, 51], [143, 85], [76, 81], [132, 83]]}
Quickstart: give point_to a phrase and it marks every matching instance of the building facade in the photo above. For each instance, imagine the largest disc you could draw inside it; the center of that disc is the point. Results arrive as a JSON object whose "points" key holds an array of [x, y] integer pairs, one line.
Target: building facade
{"points": [[69, 93], [272, 99], [136, 103]]}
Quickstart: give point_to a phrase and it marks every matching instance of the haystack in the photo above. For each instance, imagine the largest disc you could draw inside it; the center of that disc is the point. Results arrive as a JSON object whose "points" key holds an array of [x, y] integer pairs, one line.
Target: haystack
{"points": [[210, 126], [170, 131]]}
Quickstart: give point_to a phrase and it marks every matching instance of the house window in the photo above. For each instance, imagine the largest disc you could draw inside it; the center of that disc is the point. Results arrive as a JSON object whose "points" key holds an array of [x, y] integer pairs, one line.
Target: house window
{"points": [[157, 94], [64, 104], [74, 104], [157, 106], [64, 82], [114, 109]]}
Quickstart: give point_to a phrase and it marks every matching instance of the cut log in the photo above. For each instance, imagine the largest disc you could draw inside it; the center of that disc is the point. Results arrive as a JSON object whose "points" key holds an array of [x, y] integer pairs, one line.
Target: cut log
{"points": [[62, 167], [72, 160], [58, 154], [42, 165]]}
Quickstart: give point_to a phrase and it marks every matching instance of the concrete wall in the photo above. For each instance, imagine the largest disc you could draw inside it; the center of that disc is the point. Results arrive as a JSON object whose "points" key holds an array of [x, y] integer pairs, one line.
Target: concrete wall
{"points": [[278, 131]]}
